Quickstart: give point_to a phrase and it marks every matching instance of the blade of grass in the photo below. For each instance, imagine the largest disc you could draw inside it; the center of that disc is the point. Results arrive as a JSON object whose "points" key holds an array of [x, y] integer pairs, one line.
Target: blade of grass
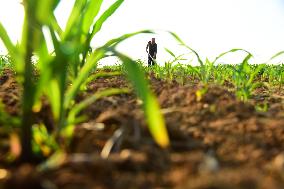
{"points": [[183, 44], [170, 52], [93, 77], [275, 56], [154, 117], [54, 24], [11, 48], [90, 100], [73, 17], [98, 25], [7, 41], [230, 51], [45, 9], [91, 63], [92, 10], [114, 42]]}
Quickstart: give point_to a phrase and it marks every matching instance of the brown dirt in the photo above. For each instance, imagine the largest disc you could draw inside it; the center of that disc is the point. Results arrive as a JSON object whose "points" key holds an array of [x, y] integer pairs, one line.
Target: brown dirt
{"points": [[217, 142], [10, 92]]}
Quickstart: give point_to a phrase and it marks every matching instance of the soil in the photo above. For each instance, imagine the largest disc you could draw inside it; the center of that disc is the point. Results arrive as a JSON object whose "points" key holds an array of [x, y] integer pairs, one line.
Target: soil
{"points": [[217, 141]]}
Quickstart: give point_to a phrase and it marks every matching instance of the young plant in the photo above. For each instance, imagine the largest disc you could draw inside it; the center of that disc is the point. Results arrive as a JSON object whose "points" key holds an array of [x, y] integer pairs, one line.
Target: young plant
{"points": [[244, 79], [275, 73], [4, 62], [172, 65], [62, 73], [202, 72]]}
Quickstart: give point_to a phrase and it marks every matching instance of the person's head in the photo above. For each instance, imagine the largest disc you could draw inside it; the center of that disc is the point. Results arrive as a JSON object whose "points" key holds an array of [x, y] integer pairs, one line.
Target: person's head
{"points": [[153, 40]]}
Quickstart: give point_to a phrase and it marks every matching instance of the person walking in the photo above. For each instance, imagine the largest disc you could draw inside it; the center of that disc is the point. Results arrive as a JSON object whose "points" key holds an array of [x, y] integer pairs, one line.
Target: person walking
{"points": [[151, 50]]}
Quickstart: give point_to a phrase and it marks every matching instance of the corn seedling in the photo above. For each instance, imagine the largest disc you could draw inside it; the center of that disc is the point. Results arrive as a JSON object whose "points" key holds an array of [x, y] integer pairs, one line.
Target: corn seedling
{"points": [[244, 79], [64, 72]]}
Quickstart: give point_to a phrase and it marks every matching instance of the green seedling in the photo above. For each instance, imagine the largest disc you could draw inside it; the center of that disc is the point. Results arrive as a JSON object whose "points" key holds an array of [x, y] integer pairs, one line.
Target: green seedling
{"points": [[244, 79], [64, 72], [262, 107]]}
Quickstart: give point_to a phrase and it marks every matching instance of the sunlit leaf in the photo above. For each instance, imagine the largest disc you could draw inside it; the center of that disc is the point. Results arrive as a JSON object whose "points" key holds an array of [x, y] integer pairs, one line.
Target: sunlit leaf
{"points": [[74, 17], [154, 117], [92, 9], [230, 51], [170, 52], [98, 95], [276, 55], [178, 39], [11, 48], [105, 16]]}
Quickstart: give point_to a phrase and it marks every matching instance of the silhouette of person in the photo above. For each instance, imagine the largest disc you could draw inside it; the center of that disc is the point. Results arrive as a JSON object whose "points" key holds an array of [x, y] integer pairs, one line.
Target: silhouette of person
{"points": [[151, 49]]}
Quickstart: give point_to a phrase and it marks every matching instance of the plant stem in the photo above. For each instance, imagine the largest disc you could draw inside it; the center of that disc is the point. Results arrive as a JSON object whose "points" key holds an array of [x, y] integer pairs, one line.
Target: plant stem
{"points": [[28, 93]]}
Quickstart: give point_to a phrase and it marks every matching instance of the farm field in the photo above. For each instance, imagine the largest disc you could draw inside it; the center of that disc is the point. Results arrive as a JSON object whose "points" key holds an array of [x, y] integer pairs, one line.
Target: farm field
{"points": [[193, 123], [217, 139]]}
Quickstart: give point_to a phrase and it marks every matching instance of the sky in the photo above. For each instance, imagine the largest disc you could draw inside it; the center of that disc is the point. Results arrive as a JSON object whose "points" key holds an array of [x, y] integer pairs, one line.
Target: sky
{"points": [[208, 26]]}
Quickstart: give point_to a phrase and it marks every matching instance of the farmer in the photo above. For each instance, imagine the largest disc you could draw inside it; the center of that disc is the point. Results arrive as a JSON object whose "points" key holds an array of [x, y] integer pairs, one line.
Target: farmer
{"points": [[152, 53]]}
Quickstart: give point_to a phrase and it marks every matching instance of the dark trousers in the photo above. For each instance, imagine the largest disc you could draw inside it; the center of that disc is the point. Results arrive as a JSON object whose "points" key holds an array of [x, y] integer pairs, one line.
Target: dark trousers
{"points": [[151, 62]]}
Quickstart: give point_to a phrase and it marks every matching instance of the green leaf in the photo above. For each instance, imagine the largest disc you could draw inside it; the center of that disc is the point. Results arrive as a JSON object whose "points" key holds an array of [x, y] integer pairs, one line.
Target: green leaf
{"points": [[276, 55], [54, 24], [177, 38], [54, 97], [83, 75], [7, 41], [255, 72], [98, 25], [73, 17], [58, 76], [154, 117], [170, 52], [193, 69], [92, 10], [11, 48], [114, 42], [43, 141], [230, 51], [93, 77], [44, 67], [98, 95], [45, 9]]}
